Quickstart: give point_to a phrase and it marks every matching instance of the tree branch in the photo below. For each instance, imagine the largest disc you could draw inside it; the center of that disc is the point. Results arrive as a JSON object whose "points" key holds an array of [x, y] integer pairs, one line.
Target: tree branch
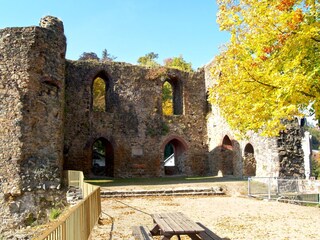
{"points": [[317, 40], [262, 83]]}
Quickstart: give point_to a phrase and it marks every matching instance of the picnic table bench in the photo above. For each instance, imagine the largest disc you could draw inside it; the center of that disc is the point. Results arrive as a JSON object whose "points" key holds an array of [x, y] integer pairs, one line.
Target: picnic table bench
{"points": [[208, 234], [170, 224], [141, 233]]}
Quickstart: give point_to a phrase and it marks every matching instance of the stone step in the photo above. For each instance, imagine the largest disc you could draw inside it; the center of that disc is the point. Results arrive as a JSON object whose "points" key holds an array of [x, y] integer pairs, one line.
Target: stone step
{"points": [[164, 192]]}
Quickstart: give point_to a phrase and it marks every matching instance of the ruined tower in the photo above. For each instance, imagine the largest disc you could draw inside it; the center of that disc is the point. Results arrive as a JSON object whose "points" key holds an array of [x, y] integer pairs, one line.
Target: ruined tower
{"points": [[32, 66]]}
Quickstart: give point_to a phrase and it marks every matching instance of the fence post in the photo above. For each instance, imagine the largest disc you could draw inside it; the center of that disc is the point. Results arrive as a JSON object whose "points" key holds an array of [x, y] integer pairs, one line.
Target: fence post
{"points": [[249, 189]]}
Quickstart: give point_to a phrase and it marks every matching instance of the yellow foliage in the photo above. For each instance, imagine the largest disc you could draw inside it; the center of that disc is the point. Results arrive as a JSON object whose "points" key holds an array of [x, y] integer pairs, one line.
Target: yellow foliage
{"points": [[270, 69], [167, 99], [99, 95], [167, 108]]}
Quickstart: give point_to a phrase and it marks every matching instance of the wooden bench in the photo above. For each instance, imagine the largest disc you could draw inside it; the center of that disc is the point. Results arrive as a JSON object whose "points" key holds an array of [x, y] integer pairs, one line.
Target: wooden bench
{"points": [[208, 234], [141, 233]]}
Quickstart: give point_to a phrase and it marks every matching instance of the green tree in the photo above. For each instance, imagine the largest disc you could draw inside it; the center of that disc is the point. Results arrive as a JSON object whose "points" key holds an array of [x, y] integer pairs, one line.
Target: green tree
{"points": [[107, 57], [89, 56], [178, 63], [149, 60], [270, 69]]}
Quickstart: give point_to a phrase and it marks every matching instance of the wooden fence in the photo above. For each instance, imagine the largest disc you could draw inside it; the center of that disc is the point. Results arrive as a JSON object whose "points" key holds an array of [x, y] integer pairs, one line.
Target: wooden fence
{"points": [[78, 223]]}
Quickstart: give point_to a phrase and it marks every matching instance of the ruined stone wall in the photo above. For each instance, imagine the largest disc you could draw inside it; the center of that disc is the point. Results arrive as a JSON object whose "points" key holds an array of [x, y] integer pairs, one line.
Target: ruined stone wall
{"points": [[133, 122], [265, 149], [31, 115], [280, 156]]}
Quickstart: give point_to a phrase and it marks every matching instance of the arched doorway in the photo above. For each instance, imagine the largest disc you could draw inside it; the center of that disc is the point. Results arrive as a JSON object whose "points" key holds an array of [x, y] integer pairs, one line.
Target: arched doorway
{"points": [[249, 162], [174, 157], [102, 158], [227, 156]]}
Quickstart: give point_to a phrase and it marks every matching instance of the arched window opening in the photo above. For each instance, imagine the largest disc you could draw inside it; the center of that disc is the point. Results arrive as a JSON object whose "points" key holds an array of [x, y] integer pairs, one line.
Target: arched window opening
{"points": [[249, 161], [99, 93], [167, 99], [102, 158], [174, 157], [172, 97], [226, 143], [227, 155]]}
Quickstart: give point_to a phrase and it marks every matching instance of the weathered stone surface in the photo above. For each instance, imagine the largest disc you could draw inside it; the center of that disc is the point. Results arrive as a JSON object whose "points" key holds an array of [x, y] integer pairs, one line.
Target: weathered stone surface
{"points": [[133, 119], [32, 77], [291, 155]]}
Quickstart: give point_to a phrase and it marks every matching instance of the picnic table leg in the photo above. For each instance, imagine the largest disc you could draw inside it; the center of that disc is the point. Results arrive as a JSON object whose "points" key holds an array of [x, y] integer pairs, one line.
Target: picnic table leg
{"points": [[155, 231], [194, 236], [167, 237]]}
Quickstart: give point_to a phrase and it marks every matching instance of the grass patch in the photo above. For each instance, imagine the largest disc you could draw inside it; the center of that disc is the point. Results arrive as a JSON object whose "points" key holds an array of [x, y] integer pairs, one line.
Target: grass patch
{"points": [[105, 182], [54, 213]]}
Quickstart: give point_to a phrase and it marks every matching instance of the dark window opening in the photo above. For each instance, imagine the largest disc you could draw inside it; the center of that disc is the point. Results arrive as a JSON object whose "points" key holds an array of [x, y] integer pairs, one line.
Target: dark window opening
{"points": [[172, 97], [249, 161]]}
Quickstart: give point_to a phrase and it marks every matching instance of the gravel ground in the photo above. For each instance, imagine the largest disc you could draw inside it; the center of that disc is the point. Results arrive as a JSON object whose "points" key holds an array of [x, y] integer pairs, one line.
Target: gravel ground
{"points": [[230, 217]]}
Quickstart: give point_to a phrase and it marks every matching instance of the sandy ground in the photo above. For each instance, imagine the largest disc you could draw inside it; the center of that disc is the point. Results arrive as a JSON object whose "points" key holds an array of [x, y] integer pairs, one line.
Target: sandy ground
{"points": [[231, 217]]}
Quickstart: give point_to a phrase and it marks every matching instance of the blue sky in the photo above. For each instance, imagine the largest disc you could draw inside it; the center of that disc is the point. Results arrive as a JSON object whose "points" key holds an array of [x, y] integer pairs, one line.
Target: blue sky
{"points": [[128, 29]]}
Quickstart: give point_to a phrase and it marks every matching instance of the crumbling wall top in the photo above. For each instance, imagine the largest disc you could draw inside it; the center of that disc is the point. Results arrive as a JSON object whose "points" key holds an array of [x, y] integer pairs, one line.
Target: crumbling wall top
{"points": [[52, 23]]}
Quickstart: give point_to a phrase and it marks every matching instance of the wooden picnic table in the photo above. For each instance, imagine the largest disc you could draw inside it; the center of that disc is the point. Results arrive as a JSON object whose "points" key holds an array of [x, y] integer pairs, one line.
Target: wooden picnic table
{"points": [[175, 223]]}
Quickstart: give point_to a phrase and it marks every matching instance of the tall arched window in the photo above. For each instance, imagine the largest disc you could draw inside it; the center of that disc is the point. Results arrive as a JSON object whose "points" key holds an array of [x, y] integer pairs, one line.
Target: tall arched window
{"points": [[99, 93], [172, 97], [167, 99]]}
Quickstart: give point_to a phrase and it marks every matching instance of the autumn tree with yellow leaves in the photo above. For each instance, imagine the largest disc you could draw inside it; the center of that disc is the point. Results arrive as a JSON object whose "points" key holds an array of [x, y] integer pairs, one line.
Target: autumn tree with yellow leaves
{"points": [[269, 71]]}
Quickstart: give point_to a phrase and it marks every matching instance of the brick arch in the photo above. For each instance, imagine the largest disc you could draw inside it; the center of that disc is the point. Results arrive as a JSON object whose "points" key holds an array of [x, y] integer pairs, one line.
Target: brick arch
{"points": [[179, 157], [101, 73], [183, 143], [94, 73]]}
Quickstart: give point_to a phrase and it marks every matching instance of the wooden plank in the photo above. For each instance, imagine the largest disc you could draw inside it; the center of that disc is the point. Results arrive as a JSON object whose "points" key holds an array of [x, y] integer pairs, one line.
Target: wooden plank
{"points": [[173, 222], [187, 223], [141, 233], [208, 234], [163, 225]]}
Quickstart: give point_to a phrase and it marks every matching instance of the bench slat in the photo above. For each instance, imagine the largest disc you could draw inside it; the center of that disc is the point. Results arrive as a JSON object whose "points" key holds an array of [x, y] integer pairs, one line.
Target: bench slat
{"points": [[141, 233], [208, 234]]}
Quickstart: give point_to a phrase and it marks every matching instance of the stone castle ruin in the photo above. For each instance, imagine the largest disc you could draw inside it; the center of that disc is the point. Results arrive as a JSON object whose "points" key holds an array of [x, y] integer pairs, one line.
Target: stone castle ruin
{"points": [[48, 125]]}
